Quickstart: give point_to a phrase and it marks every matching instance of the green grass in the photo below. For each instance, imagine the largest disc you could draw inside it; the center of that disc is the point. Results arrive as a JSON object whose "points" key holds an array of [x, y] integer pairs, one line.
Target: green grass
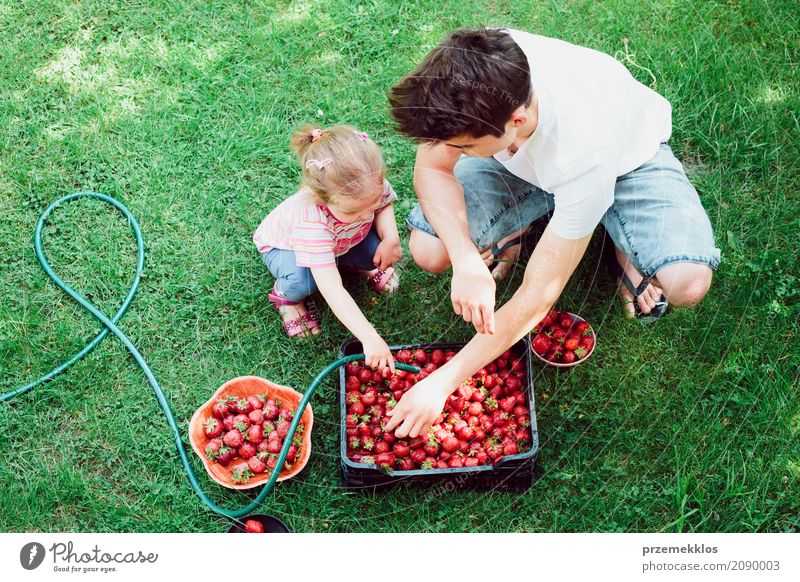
{"points": [[183, 110]]}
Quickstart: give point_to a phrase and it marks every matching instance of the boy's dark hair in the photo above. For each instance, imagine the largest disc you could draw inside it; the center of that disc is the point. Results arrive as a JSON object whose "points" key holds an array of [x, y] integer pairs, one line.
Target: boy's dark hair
{"points": [[469, 85]]}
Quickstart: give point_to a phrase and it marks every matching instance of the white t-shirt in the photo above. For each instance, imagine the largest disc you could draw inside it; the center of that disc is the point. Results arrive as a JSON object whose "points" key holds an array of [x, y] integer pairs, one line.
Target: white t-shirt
{"points": [[596, 122]]}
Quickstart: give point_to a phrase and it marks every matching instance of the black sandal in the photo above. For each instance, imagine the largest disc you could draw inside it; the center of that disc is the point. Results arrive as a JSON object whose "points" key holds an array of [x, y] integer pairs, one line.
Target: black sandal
{"points": [[618, 273]]}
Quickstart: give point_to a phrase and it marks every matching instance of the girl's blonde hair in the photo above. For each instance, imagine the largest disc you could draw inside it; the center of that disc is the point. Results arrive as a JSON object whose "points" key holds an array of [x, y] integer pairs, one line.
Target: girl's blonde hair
{"points": [[338, 161]]}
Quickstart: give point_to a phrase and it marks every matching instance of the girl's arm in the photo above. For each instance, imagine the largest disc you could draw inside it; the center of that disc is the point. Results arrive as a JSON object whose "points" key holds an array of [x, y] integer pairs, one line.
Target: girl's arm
{"points": [[389, 252], [376, 351]]}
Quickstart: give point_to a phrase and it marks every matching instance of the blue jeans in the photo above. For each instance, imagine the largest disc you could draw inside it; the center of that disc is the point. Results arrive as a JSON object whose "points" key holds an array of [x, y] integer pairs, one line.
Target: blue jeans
{"points": [[656, 218], [296, 283]]}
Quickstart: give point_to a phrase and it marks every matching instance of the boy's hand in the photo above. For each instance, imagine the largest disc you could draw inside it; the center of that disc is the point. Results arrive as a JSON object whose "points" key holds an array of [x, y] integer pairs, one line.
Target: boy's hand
{"points": [[377, 354], [418, 408], [388, 253], [472, 293]]}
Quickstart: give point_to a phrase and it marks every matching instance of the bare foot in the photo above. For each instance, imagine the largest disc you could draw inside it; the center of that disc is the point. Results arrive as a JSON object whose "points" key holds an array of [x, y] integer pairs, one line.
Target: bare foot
{"points": [[391, 285], [290, 312], [506, 259], [647, 300]]}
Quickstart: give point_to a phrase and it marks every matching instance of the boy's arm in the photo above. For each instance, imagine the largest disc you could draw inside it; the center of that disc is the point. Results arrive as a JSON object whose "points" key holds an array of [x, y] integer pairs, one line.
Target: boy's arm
{"points": [[329, 281], [553, 261], [389, 251], [442, 199]]}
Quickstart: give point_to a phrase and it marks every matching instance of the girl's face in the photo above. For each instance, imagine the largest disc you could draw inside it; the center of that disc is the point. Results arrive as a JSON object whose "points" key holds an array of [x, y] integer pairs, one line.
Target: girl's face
{"points": [[348, 209]]}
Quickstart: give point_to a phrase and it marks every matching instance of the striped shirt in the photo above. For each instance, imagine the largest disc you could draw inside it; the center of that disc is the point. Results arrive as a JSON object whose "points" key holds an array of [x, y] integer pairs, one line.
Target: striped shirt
{"points": [[308, 228]]}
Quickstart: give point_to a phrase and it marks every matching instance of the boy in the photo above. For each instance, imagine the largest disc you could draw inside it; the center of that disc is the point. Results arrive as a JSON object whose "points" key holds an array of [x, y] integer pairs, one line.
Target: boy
{"points": [[511, 126]]}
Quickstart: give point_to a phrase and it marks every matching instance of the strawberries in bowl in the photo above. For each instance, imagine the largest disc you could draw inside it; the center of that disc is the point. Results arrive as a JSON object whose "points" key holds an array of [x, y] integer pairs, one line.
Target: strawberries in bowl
{"points": [[240, 430], [563, 339]]}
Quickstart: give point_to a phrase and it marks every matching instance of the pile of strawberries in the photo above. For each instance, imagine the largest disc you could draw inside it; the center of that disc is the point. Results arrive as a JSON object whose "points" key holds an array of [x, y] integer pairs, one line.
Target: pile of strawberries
{"points": [[562, 340], [485, 419], [252, 430]]}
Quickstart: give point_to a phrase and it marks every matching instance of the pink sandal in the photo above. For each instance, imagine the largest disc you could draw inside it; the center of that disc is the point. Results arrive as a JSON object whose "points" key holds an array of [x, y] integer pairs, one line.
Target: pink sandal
{"points": [[306, 322], [379, 280]]}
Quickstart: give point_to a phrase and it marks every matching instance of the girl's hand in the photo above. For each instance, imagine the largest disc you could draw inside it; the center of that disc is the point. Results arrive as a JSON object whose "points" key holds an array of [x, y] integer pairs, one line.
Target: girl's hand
{"points": [[388, 253], [377, 354]]}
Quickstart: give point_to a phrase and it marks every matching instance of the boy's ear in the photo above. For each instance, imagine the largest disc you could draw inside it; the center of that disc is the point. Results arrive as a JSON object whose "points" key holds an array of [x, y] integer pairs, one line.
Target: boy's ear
{"points": [[519, 116]]}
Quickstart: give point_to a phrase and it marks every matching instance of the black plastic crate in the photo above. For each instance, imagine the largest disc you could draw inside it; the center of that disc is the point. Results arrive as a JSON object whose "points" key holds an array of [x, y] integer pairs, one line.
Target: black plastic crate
{"points": [[512, 473]]}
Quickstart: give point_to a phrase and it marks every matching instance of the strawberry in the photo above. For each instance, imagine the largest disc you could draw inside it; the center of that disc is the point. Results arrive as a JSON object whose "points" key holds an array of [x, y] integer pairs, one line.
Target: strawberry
{"points": [[569, 357], [212, 448], [389, 437], [256, 416], [406, 464], [220, 409], [572, 341], [438, 357], [455, 462], [465, 433], [404, 356], [247, 450], [520, 411], [420, 357], [507, 404], [241, 474], [270, 410], [475, 409], [580, 353], [587, 343], [441, 464], [233, 438], [282, 428], [369, 398], [356, 408], [471, 462], [384, 460], [226, 455], [541, 343], [365, 376], [431, 448], [382, 447], [256, 465], [430, 367], [274, 446], [253, 526], [256, 402], [450, 444], [510, 449], [243, 406], [213, 427], [401, 449], [419, 456], [581, 327], [241, 422], [352, 369], [255, 434], [367, 443], [291, 453], [386, 372], [351, 420], [565, 321], [227, 422], [352, 383]]}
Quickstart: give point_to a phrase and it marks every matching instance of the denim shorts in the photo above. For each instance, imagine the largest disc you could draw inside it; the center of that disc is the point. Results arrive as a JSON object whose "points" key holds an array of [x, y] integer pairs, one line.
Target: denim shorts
{"points": [[656, 218], [295, 283]]}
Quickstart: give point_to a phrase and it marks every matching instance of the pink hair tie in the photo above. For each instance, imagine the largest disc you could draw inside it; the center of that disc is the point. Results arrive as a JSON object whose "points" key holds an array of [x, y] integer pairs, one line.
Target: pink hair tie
{"points": [[316, 134], [362, 135], [319, 164]]}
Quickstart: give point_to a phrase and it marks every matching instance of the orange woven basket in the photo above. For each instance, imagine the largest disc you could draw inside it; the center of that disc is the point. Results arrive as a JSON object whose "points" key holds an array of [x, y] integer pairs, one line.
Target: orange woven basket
{"points": [[245, 386]]}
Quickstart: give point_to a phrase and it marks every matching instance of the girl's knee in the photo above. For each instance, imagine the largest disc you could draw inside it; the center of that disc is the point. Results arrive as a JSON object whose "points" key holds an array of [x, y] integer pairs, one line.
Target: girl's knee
{"points": [[298, 285]]}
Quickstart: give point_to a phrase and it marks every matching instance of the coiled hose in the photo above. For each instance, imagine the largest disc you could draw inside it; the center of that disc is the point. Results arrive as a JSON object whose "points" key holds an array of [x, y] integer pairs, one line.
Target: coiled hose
{"points": [[110, 325]]}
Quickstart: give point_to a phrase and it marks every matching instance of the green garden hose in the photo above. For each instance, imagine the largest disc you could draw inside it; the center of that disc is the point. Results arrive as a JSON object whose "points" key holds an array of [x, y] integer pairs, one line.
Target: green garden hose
{"points": [[110, 325]]}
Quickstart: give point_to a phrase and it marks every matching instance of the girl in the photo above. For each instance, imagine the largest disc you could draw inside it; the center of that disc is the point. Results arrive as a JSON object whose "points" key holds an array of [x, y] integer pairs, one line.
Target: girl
{"points": [[341, 216]]}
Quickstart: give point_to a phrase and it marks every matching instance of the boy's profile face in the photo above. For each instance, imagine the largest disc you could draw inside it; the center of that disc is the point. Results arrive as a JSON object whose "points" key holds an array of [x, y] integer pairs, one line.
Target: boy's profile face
{"points": [[488, 145]]}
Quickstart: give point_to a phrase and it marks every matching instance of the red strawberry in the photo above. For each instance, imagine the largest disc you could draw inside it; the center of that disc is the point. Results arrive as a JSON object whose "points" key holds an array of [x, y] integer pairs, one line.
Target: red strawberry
{"points": [[581, 327], [233, 438], [507, 404], [291, 453], [227, 422], [241, 474], [475, 409], [418, 456], [471, 462], [356, 408], [253, 526], [455, 462], [274, 446], [256, 401], [520, 411], [351, 420], [367, 443], [226, 455], [241, 422], [430, 367], [384, 459], [256, 416], [572, 341], [256, 465], [401, 449], [270, 410], [565, 321], [247, 450], [255, 434], [587, 343], [220, 409], [213, 427], [382, 447], [212, 448], [370, 397], [364, 429], [450, 444], [569, 357], [243, 406], [404, 356], [441, 464], [406, 464], [438, 357], [580, 353], [352, 383], [352, 369], [389, 437], [465, 433], [282, 428], [510, 449], [365, 376], [541, 343], [431, 448], [420, 357]]}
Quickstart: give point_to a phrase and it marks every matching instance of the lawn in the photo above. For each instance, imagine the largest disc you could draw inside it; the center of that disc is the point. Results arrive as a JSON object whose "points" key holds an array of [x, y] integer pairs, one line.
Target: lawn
{"points": [[183, 111]]}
